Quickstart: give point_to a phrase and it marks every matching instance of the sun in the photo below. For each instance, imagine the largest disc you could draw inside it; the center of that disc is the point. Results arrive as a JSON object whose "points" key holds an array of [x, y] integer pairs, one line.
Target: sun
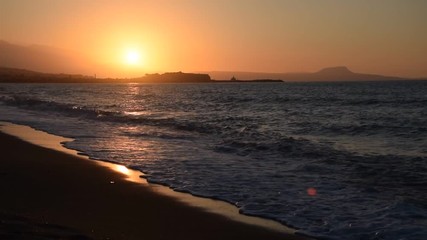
{"points": [[132, 57]]}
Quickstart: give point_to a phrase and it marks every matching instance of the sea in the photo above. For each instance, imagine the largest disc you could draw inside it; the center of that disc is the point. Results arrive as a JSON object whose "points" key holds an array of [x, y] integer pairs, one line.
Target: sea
{"points": [[333, 160]]}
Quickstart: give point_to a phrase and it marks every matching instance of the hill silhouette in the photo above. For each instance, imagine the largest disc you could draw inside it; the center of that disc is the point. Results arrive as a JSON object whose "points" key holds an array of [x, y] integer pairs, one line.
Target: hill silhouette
{"points": [[342, 70], [14, 75], [340, 73]]}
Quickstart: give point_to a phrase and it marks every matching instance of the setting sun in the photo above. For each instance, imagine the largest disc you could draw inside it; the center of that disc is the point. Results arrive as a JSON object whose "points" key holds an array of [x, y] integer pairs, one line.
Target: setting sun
{"points": [[132, 57]]}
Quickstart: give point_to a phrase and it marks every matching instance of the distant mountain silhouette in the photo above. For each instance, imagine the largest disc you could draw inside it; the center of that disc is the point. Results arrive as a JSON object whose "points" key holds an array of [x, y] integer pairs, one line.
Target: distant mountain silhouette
{"points": [[39, 58], [342, 70], [340, 73]]}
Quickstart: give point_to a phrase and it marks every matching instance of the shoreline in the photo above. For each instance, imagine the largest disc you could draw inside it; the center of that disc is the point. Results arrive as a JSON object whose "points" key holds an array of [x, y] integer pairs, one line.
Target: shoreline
{"points": [[187, 217]]}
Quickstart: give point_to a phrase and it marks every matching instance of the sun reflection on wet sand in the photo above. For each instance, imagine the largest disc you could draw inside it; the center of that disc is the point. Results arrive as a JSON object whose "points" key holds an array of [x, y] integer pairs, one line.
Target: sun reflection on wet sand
{"points": [[122, 169], [130, 174]]}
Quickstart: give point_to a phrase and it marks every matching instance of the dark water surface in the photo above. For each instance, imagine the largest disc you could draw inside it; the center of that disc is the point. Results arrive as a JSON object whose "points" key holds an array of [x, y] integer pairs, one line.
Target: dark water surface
{"points": [[361, 148]]}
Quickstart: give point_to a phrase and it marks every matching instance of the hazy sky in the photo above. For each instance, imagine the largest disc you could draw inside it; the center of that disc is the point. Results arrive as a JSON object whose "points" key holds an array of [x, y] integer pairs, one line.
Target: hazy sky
{"points": [[372, 36]]}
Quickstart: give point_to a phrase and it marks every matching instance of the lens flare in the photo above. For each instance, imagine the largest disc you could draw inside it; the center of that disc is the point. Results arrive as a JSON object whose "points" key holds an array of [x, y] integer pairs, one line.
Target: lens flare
{"points": [[311, 191]]}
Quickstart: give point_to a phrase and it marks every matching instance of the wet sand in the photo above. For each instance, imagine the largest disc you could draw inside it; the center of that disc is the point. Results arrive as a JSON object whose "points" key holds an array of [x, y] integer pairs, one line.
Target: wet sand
{"points": [[46, 194]]}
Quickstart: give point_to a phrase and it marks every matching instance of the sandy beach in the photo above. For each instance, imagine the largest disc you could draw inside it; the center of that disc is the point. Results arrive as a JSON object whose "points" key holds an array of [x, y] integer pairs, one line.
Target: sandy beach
{"points": [[48, 194]]}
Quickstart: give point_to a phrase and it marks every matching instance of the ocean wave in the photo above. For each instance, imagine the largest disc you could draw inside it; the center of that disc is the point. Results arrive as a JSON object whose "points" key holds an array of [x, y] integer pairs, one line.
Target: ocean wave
{"points": [[282, 146], [397, 101], [43, 105], [104, 115]]}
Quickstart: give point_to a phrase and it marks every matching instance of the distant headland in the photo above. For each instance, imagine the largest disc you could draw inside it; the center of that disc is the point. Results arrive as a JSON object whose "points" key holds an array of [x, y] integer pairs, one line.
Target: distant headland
{"points": [[14, 75]]}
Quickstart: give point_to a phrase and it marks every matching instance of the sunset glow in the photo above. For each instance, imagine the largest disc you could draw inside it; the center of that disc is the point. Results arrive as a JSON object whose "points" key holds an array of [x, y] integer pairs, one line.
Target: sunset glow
{"points": [[385, 37]]}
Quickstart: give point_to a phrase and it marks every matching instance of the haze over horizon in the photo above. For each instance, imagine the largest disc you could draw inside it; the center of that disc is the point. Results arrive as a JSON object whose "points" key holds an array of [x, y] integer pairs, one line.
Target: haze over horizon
{"points": [[131, 38]]}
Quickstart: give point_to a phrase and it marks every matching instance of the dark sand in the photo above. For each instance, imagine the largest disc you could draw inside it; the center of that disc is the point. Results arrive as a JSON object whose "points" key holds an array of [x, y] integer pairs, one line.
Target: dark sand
{"points": [[46, 194]]}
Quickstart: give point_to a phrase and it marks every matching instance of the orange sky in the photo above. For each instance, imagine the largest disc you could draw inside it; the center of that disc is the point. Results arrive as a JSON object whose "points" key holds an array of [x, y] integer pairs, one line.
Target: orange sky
{"points": [[384, 36]]}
